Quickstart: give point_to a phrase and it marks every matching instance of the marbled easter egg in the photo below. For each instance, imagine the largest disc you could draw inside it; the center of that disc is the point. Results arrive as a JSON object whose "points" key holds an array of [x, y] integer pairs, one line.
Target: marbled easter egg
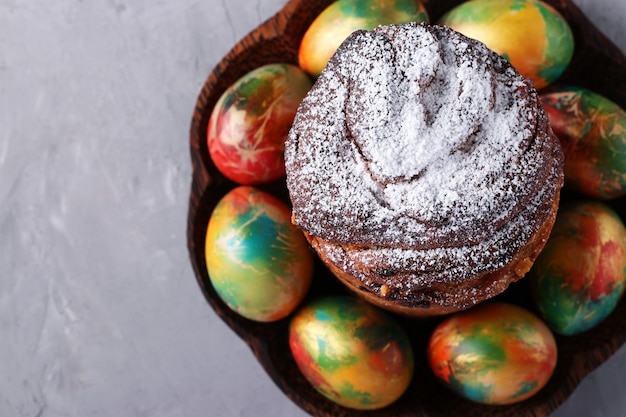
{"points": [[351, 352], [343, 17], [592, 131], [530, 34], [258, 262], [494, 353], [580, 276], [249, 124]]}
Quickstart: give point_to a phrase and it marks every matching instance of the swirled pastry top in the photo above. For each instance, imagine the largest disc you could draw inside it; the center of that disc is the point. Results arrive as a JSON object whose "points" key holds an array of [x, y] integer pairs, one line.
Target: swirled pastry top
{"points": [[417, 136]]}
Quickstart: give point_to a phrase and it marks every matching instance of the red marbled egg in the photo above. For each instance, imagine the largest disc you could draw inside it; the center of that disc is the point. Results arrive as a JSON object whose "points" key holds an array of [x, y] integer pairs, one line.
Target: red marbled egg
{"points": [[580, 276], [495, 353], [592, 130], [250, 122]]}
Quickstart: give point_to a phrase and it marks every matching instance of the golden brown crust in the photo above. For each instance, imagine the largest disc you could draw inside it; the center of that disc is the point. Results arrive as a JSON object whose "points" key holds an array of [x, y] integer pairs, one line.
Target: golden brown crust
{"points": [[444, 298]]}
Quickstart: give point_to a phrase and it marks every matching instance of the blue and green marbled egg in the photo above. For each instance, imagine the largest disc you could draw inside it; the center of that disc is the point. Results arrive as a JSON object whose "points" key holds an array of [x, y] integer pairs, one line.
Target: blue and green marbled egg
{"points": [[258, 262]]}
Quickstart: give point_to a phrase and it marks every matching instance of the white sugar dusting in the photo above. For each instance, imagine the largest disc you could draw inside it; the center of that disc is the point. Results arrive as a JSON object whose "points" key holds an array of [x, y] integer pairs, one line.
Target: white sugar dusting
{"points": [[420, 149]]}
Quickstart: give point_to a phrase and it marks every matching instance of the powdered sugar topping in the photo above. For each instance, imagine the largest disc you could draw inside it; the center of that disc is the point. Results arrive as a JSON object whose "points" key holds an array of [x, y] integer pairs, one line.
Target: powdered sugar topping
{"points": [[414, 136]]}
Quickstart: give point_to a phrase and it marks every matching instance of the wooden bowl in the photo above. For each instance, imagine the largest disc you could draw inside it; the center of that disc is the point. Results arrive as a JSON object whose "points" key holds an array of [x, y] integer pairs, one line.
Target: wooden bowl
{"points": [[597, 65]]}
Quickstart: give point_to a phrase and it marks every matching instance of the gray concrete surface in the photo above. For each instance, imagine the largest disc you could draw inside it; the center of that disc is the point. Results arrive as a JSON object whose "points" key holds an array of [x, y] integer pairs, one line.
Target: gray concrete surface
{"points": [[100, 313]]}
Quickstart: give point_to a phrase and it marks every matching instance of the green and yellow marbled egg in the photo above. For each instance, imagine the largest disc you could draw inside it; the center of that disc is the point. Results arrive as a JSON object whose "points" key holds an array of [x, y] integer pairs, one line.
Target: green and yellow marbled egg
{"points": [[351, 352], [343, 17], [530, 34], [495, 353]]}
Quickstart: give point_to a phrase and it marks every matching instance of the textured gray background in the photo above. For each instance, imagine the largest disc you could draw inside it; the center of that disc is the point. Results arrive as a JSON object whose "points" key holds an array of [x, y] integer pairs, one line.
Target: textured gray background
{"points": [[100, 313]]}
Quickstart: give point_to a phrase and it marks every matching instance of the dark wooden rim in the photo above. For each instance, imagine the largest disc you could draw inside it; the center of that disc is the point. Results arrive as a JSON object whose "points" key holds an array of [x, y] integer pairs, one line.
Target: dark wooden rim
{"points": [[597, 65]]}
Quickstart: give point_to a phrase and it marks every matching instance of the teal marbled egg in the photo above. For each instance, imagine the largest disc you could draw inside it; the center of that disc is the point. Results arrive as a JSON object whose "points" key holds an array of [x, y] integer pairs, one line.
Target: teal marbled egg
{"points": [[258, 262]]}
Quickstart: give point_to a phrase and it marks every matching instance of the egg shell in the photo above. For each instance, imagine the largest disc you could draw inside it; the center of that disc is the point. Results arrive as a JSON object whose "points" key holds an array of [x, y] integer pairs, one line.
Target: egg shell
{"points": [[592, 131], [351, 352], [530, 34], [495, 353], [258, 262], [249, 124], [580, 276], [343, 17]]}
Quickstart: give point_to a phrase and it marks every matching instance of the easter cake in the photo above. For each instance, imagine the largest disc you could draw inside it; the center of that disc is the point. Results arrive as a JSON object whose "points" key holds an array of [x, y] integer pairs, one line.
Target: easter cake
{"points": [[423, 170]]}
